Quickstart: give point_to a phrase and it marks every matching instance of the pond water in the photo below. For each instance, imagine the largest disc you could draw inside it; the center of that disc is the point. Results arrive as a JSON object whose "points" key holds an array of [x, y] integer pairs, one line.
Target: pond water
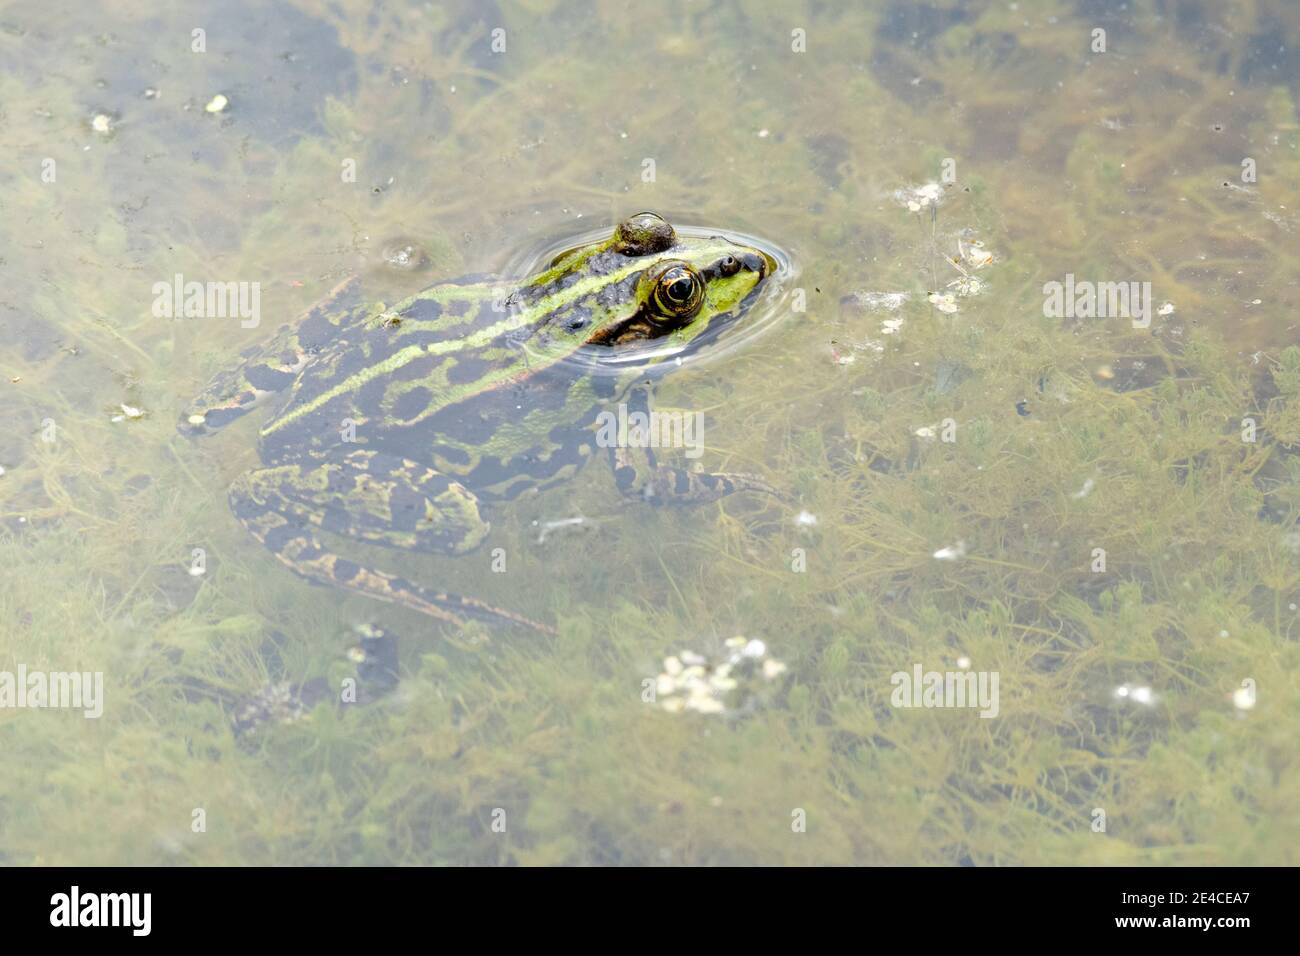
{"points": [[1028, 393]]}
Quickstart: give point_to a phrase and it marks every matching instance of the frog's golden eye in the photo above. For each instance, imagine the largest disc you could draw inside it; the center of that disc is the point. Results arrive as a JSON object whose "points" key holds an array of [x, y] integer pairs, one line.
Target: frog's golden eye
{"points": [[679, 292]]}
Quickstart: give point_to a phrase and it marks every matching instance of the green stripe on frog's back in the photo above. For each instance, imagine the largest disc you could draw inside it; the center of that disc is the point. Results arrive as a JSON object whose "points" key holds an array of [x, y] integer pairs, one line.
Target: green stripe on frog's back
{"points": [[491, 349]]}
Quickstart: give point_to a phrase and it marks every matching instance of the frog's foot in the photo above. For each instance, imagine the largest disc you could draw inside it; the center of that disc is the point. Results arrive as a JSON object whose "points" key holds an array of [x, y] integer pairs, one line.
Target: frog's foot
{"points": [[371, 497], [638, 475], [271, 366]]}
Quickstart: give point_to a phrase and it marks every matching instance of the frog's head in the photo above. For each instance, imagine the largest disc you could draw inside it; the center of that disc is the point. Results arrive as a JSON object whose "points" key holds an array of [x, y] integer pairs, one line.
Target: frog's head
{"points": [[646, 285]]}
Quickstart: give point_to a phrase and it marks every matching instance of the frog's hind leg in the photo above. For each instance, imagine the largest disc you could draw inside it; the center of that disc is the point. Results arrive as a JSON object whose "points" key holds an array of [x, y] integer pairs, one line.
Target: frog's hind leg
{"points": [[373, 497], [272, 366]]}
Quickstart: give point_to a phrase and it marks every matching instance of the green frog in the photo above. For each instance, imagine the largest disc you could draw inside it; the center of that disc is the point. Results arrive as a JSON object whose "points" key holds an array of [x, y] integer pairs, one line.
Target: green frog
{"points": [[407, 426]]}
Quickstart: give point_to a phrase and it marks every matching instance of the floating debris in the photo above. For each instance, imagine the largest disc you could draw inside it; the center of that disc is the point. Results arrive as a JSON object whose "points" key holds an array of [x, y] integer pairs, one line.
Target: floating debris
{"points": [[841, 358], [1243, 698], [1139, 695], [945, 302], [129, 412], [1086, 490], [102, 123], [1165, 309], [405, 255], [805, 519], [279, 702], [951, 553], [916, 198], [691, 682], [549, 526], [975, 254], [217, 104]]}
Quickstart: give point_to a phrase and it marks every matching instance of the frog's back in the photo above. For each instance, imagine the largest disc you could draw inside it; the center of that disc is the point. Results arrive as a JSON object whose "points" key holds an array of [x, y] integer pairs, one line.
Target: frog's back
{"points": [[443, 378], [363, 362]]}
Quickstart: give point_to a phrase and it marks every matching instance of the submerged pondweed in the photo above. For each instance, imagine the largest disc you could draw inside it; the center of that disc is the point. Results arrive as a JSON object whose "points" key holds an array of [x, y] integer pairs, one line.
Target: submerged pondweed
{"points": [[1072, 502]]}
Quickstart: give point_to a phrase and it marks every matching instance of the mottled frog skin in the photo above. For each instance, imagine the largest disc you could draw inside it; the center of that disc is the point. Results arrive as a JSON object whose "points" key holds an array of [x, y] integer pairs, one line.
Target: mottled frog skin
{"points": [[407, 426]]}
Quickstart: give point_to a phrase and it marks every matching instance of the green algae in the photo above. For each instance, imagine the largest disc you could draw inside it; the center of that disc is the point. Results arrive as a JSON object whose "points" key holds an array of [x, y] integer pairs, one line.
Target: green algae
{"points": [[1071, 436]]}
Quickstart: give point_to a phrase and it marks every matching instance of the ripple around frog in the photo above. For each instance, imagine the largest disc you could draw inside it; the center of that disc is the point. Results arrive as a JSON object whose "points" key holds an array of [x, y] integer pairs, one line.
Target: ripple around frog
{"points": [[762, 314]]}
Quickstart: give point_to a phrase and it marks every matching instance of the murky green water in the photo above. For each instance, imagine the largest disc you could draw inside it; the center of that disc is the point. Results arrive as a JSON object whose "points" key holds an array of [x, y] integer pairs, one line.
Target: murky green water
{"points": [[1100, 512]]}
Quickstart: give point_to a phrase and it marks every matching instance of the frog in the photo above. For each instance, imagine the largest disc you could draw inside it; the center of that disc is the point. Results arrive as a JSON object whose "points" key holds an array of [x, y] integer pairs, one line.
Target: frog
{"points": [[410, 426]]}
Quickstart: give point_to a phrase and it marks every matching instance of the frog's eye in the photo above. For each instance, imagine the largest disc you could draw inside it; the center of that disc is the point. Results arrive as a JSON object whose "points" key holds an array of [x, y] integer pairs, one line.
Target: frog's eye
{"points": [[679, 292]]}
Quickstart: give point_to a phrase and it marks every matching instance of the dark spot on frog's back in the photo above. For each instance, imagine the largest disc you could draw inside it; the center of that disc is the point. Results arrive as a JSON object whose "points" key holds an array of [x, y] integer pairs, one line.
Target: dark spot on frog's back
{"points": [[316, 331], [468, 368], [268, 379], [410, 404], [620, 292], [422, 310], [416, 370]]}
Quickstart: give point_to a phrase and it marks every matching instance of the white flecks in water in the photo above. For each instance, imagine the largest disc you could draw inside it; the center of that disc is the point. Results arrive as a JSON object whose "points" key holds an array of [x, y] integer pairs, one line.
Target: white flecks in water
{"points": [[129, 412], [891, 326], [763, 134], [1166, 308], [1243, 698], [963, 663], [217, 104], [927, 433], [805, 519], [1139, 695], [102, 123], [691, 682], [197, 419], [954, 552], [1085, 491], [916, 198]]}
